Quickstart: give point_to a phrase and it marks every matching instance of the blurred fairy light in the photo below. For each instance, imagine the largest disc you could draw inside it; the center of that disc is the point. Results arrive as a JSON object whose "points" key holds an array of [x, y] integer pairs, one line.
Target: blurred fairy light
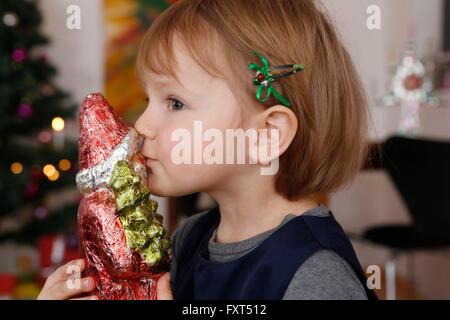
{"points": [[58, 124], [49, 170], [10, 19], [16, 167], [58, 133], [54, 176], [64, 164]]}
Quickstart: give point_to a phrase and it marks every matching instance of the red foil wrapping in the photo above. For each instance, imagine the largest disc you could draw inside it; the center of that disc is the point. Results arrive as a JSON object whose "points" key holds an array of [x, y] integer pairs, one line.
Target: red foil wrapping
{"points": [[120, 273]]}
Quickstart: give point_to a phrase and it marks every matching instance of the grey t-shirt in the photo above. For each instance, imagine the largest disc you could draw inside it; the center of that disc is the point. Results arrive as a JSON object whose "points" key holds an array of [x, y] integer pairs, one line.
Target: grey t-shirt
{"points": [[324, 275]]}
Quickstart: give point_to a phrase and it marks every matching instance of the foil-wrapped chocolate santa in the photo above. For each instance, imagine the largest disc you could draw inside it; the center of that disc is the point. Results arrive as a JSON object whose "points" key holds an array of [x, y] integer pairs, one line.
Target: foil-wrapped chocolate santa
{"points": [[122, 237]]}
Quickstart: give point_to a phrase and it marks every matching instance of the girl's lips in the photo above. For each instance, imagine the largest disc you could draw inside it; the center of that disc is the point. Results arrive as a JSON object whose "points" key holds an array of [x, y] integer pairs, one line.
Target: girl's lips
{"points": [[150, 161]]}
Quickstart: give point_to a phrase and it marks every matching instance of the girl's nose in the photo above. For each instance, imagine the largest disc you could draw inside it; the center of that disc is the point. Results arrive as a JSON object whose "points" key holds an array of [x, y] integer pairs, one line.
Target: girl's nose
{"points": [[146, 125]]}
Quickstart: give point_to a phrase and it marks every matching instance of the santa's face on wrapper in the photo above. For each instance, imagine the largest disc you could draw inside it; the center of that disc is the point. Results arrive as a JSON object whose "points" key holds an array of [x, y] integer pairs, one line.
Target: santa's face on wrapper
{"points": [[199, 99]]}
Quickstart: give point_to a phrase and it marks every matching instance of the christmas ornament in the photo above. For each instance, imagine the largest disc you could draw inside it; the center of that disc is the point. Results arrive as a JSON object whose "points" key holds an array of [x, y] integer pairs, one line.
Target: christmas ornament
{"points": [[41, 212], [44, 136], [264, 78], [18, 55], [31, 190], [25, 110], [122, 237], [410, 88]]}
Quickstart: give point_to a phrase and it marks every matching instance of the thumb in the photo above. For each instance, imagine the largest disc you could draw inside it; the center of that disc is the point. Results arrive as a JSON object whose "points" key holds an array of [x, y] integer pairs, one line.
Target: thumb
{"points": [[163, 289]]}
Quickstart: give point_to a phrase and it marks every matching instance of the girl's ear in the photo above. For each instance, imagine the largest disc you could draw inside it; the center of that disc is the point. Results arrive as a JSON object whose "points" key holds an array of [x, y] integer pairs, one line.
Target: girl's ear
{"points": [[279, 126]]}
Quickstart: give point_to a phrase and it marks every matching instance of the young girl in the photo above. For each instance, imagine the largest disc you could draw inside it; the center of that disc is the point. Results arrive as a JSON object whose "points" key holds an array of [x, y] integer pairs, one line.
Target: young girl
{"points": [[278, 69]]}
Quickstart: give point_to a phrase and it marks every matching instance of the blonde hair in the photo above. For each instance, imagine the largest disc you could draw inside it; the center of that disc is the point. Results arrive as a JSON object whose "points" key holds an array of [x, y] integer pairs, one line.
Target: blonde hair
{"points": [[327, 98]]}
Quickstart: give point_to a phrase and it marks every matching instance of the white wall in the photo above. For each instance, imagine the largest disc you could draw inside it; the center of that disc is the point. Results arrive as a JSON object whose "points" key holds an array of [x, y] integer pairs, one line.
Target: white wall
{"points": [[78, 54]]}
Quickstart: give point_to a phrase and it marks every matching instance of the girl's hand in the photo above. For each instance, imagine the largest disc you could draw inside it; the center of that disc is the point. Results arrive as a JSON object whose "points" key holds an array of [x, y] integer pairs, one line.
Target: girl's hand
{"points": [[164, 291], [59, 286]]}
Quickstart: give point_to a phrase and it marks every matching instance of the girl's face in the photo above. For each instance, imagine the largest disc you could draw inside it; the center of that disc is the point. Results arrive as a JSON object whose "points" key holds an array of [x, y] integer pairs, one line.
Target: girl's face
{"points": [[173, 106]]}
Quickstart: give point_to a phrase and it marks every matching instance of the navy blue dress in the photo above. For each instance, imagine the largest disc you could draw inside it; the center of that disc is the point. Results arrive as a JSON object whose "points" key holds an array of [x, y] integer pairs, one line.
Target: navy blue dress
{"points": [[266, 271]]}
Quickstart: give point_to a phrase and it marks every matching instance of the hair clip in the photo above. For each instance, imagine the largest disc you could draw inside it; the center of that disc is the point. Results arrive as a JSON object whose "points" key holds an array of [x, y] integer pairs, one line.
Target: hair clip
{"points": [[264, 78]]}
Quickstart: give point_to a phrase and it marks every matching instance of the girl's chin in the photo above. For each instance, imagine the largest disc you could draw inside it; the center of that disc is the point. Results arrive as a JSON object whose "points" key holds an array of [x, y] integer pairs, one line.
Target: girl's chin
{"points": [[153, 187], [159, 193], [167, 192], [150, 182]]}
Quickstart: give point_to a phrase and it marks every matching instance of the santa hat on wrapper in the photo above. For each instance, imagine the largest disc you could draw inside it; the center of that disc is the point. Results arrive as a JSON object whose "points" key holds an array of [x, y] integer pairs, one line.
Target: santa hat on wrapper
{"points": [[101, 130], [104, 139]]}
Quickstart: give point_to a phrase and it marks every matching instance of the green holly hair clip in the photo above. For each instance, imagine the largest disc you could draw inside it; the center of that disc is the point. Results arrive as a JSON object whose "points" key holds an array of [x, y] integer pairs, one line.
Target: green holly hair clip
{"points": [[264, 78]]}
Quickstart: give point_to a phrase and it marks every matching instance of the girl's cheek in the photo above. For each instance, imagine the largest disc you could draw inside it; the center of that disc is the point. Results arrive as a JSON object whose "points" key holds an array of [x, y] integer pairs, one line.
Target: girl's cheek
{"points": [[169, 139]]}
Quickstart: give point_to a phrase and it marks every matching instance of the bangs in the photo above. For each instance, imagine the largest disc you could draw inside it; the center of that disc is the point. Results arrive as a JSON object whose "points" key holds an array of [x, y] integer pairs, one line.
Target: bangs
{"points": [[156, 52]]}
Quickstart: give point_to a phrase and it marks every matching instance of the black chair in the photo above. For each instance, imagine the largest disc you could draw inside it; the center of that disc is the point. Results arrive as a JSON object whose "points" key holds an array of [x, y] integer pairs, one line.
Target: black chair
{"points": [[420, 170]]}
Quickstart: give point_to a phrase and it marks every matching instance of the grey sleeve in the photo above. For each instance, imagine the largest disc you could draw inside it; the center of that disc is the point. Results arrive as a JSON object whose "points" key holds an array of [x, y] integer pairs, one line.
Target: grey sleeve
{"points": [[178, 238], [325, 276]]}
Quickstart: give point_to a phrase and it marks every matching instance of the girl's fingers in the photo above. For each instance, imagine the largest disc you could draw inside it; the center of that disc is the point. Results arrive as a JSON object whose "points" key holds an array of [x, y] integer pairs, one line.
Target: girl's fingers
{"points": [[63, 272], [67, 289], [70, 288], [93, 297], [163, 289]]}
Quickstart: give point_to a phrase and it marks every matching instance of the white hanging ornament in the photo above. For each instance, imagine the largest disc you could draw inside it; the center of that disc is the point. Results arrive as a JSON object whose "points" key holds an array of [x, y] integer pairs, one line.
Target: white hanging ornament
{"points": [[410, 88]]}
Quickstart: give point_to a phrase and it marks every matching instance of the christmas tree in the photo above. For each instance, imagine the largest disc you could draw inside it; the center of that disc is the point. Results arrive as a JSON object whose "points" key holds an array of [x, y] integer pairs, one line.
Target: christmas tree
{"points": [[36, 159]]}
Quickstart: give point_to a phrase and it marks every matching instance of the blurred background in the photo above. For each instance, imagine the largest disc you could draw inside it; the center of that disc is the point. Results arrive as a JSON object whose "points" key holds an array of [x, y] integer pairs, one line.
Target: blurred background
{"points": [[54, 52]]}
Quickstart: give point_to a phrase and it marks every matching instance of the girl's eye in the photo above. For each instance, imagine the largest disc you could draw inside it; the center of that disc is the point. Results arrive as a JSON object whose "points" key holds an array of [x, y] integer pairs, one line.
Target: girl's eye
{"points": [[175, 104]]}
